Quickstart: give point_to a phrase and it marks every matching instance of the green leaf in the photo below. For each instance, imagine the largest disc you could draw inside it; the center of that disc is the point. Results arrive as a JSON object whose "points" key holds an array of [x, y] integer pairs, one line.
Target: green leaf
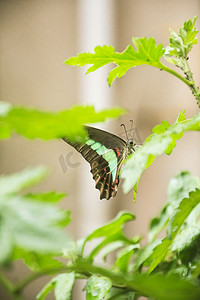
{"points": [[185, 208], [188, 34], [51, 197], [181, 116], [186, 239], [46, 290], [180, 215], [6, 242], [121, 294], [48, 125], [110, 248], [180, 44], [32, 226], [17, 182], [161, 128], [166, 287], [112, 227], [124, 256], [146, 53], [179, 188], [157, 286], [97, 287], [145, 253], [111, 233], [157, 224], [64, 286], [155, 145], [36, 262]]}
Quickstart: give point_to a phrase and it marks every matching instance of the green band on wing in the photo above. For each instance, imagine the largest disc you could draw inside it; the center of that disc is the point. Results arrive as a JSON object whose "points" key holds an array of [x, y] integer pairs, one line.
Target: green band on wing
{"points": [[102, 150], [111, 158], [90, 142], [108, 154], [96, 146]]}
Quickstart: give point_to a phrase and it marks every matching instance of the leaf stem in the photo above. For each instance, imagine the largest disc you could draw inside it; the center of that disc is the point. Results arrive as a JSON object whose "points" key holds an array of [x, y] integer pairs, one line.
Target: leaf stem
{"points": [[82, 267], [9, 288], [189, 80], [186, 81]]}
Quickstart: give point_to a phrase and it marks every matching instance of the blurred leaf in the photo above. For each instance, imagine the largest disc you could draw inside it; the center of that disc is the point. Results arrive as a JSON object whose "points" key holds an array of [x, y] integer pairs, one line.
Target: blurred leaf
{"points": [[157, 286], [36, 262], [32, 225], [5, 107], [196, 269], [180, 186], [46, 290], [15, 183], [185, 239], [32, 123], [180, 215], [165, 287], [97, 287], [147, 53], [157, 224], [155, 145], [51, 197], [121, 294], [183, 211], [63, 285]]}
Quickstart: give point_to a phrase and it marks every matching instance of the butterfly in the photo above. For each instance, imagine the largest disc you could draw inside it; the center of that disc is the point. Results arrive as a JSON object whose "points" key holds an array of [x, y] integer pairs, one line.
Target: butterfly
{"points": [[105, 153]]}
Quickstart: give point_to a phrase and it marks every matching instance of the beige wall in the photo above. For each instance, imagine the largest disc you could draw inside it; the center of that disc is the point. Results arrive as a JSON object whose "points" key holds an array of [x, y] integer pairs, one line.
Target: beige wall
{"points": [[36, 37]]}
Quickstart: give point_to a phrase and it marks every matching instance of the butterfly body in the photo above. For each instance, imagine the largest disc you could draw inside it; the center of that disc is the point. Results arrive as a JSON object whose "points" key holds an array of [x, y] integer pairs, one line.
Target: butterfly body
{"points": [[105, 153]]}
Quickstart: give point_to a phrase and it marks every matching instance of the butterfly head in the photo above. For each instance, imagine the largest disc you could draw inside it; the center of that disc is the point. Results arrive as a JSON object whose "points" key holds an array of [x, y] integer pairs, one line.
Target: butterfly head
{"points": [[130, 142], [131, 146]]}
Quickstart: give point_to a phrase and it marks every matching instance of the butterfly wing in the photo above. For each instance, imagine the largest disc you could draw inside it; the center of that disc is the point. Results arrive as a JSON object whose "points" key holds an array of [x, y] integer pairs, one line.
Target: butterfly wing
{"points": [[104, 152]]}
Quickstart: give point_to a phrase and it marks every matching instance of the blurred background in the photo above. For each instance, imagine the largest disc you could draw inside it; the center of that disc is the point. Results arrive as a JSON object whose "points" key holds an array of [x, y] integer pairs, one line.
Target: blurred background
{"points": [[36, 37]]}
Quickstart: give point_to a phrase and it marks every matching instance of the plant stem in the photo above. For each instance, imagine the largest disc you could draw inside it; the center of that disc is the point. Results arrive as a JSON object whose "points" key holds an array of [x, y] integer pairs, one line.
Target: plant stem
{"points": [[193, 87], [9, 288], [85, 268], [80, 266], [189, 80], [186, 81]]}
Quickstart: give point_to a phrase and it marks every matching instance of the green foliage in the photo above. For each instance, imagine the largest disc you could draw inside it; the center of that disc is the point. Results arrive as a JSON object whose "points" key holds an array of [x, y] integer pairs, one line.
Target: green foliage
{"points": [[113, 236], [62, 285], [179, 217], [31, 226], [147, 53], [163, 140], [15, 183], [97, 287], [47, 125], [181, 44]]}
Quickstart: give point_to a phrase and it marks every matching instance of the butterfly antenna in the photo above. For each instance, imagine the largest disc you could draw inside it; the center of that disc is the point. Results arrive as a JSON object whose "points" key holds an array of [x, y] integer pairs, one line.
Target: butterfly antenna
{"points": [[125, 130], [131, 121]]}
